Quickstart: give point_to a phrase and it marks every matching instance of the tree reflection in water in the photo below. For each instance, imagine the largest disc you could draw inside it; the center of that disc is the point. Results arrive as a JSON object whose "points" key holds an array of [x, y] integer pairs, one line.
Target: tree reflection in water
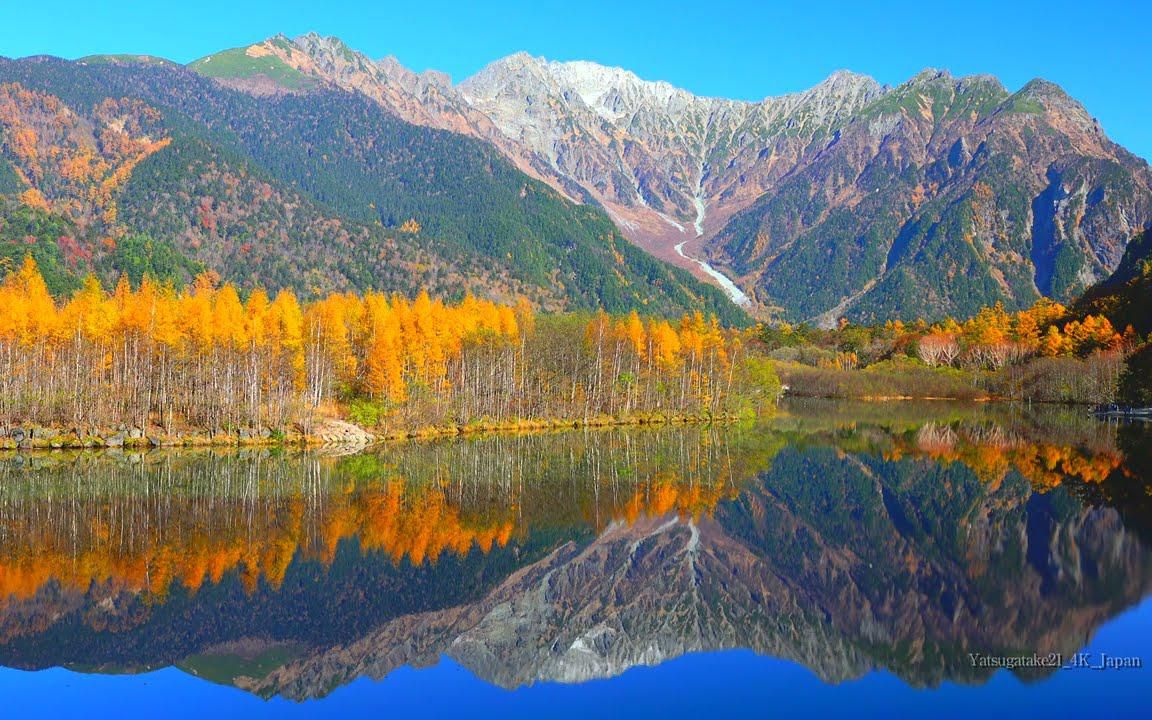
{"points": [[844, 537]]}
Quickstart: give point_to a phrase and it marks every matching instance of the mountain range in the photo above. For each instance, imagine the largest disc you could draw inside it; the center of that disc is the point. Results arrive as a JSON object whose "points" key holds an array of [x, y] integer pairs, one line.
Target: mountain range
{"points": [[849, 199]]}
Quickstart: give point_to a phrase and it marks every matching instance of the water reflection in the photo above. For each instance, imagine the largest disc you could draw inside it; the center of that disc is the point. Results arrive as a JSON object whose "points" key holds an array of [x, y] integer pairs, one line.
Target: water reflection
{"points": [[846, 538]]}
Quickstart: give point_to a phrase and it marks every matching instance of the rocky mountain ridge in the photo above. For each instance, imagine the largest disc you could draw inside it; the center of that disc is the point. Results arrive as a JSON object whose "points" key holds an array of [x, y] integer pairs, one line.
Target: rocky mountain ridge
{"points": [[275, 178], [850, 198]]}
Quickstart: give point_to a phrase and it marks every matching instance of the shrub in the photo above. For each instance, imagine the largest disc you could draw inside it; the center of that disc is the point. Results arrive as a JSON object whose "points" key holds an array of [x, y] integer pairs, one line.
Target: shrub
{"points": [[1091, 380], [895, 378], [1136, 379]]}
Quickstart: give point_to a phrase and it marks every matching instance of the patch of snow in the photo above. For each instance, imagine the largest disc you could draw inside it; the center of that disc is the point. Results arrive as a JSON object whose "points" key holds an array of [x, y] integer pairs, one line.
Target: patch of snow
{"points": [[700, 208], [672, 522], [593, 80], [636, 188], [735, 294], [692, 549], [636, 543], [580, 646], [733, 291]]}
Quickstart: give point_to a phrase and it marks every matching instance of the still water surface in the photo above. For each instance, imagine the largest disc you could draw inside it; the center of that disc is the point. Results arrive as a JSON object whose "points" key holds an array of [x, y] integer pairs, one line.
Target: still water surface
{"points": [[837, 559]]}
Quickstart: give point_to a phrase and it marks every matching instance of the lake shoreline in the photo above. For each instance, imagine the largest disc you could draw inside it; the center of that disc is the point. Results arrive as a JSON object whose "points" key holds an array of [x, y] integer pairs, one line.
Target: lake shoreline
{"points": [[329, 432], [343, 432]]}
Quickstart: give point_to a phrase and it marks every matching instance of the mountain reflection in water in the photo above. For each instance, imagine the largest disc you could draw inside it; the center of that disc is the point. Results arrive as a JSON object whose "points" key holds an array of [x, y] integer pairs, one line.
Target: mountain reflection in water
{"points": [[846, 538]]}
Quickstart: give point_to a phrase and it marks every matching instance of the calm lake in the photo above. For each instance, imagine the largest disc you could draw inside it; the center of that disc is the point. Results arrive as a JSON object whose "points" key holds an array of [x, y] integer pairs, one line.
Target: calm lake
{"points": [[883, 560]]}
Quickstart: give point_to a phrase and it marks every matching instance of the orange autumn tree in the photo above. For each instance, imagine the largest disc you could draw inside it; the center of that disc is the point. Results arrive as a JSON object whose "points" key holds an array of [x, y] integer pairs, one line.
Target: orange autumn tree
{"points": [[73, 163], [207, 357], [142, 547], [995, 338], [151, 355], [252, 515], [686, 367], [990, 452]]}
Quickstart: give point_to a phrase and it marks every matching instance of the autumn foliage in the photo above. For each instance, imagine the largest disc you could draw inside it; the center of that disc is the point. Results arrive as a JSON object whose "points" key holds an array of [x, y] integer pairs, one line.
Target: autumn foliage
{"points": [[994, 338], [70, 164], [1046, 353], [416, 525], [85, 523], [991, 451], [204, 357]]}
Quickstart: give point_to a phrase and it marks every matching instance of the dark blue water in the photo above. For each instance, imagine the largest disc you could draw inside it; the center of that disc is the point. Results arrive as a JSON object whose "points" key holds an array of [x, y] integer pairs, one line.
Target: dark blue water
{"points": [[814, 567]]}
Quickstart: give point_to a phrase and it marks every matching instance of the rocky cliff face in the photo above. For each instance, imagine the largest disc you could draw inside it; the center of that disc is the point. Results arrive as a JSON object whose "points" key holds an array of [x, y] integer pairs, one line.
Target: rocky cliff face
{"points": [[941, 196], [297, 181], [428, 99], [847, 199], [671, 166]]}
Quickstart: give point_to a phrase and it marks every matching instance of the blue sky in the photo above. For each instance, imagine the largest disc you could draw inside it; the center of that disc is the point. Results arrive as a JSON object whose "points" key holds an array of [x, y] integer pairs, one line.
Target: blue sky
{"points": [[1097, 50]]}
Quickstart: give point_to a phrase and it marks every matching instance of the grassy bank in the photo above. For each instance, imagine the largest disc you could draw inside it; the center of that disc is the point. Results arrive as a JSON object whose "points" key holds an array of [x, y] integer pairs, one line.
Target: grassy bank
{"points": [[888, 380], [1060, 380], [326, 432]]}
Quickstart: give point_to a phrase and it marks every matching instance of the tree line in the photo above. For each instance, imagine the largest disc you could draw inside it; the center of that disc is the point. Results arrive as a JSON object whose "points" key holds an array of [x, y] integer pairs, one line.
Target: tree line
{"points": [[204, 357], [1047, 352]]}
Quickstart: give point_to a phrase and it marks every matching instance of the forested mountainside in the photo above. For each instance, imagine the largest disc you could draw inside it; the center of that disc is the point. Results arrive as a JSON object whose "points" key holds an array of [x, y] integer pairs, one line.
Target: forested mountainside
{"points": [[1126, 300], [303, 162], [1126, 297], [850, 199], [945, 194], [120, 164]]}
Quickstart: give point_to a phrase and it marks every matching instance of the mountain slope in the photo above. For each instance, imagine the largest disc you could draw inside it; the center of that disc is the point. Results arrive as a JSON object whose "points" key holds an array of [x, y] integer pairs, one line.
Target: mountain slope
{"points": [[556, 124], [932, 198], [318, 189], [1125, 298], [945, 195], [935, 197], [668, 164], [938, 196]]}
